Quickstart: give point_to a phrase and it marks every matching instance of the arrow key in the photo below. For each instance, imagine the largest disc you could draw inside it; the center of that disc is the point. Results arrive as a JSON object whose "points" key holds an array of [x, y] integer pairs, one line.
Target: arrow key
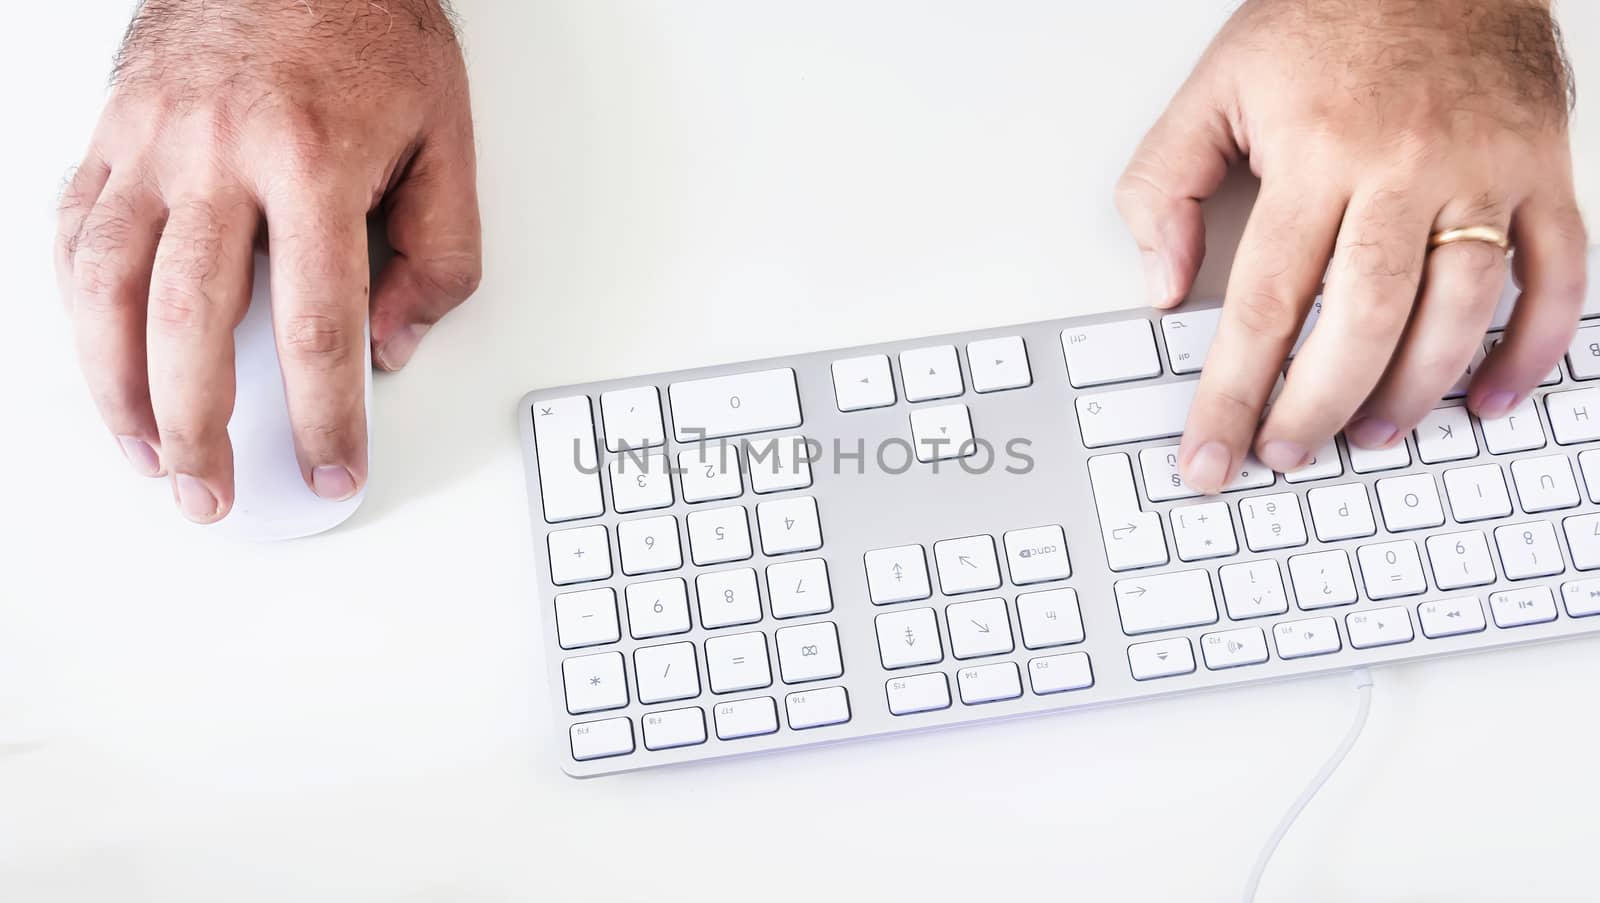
{"points": [[999, 364], [860, 383], [899, 574], [908, 637], [942, 433], [967, 565], [978, 628], [930, 373]]}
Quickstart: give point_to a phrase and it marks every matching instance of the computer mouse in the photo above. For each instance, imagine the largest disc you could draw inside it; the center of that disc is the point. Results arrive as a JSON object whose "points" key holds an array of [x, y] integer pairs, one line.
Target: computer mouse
{"points": [[271, 499]]}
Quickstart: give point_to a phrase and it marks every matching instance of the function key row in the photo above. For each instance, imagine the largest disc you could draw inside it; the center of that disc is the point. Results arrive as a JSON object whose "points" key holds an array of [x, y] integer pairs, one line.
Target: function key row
{"points": [[657, 608], [716, 536], [862, 383]]}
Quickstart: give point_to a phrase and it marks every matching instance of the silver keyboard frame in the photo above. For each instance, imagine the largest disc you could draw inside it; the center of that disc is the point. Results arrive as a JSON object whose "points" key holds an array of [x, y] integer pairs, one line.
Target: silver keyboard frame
{"points": [[874, 510]]}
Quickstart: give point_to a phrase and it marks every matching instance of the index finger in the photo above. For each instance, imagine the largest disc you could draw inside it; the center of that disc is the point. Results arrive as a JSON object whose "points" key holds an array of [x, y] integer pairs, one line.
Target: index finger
{"points": [[1275, 274], [320, 275]]}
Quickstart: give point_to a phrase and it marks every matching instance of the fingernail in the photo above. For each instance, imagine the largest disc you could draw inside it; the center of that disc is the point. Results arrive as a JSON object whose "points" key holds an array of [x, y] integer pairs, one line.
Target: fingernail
{"points": [[1371, 432], [1283, 456], [195, 500], [140, 456], [1496, 404], [332, 482], [397, 351], [1208, 469], [1156, 290]]}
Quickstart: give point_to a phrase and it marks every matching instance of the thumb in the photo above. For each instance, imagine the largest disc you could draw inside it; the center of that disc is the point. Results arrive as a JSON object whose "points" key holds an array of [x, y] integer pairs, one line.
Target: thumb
{"points": [[1179, 163], [432, 225]]}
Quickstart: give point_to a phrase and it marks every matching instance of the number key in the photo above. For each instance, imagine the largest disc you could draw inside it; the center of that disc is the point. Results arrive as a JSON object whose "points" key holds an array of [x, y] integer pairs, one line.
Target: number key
{"points": [[657, 608], [1528, 550], [640, 482], [719, 535], [710, 472], [649, 545], [789, 525], [1460, 559], [728, 598]]}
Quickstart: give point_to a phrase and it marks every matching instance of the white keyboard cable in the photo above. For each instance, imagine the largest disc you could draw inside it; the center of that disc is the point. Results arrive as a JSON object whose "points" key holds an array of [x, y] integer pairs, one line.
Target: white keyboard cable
{"points": [[1363, 678]]}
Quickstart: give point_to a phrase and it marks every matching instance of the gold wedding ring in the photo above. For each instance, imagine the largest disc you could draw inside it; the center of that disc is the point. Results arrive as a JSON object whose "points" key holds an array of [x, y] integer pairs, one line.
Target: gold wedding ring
{"points": [[1470, 233]]}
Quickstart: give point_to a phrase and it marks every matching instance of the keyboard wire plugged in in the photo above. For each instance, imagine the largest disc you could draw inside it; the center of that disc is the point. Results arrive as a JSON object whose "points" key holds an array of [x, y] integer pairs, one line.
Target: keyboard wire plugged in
{"points": [[1363, 684]]}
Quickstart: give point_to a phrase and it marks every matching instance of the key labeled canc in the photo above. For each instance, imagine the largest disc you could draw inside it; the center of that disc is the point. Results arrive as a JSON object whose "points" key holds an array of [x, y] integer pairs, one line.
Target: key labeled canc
{"points": [[734, 405]]}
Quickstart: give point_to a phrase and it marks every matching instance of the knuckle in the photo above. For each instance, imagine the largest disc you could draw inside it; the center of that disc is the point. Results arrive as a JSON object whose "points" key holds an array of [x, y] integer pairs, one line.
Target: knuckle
{"points": [[316, 340], [455, 276], [1135, 190], [182, 432], [1431, 371], [322, 436], [1230, 405], [180, 307], [304, 138], [96, 285], [73, 198], [1479, 258], [1267, 314], [1413, 148], [106, 231], [219, 123], [1482, 208], [1379, 313], [118, 403], [1382, 268]]}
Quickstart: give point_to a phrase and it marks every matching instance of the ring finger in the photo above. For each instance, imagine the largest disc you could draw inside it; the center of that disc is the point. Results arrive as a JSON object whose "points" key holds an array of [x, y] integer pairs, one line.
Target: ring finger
{"points": [[1461, 283]]}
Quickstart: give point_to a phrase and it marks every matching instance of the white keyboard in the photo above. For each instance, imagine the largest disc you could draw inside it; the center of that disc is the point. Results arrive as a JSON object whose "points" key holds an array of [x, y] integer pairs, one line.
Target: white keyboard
{"points": [[917, 534]]}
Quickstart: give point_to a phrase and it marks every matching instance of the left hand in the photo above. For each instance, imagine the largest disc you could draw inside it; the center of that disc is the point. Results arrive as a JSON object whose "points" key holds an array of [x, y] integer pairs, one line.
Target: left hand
{"points": [[234, 122]]}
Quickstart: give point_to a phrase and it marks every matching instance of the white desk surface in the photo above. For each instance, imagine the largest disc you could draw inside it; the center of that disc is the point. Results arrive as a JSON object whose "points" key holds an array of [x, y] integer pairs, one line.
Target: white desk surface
{"points": [[363, 716]]}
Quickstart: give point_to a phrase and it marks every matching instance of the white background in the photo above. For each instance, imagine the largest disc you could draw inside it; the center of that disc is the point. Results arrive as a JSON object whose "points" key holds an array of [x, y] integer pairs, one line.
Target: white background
{"points": [[363, 716]]}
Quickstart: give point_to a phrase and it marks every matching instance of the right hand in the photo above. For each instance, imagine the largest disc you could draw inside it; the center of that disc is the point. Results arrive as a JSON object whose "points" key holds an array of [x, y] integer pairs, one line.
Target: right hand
{"points": [[230, 123], [1371, 125]]}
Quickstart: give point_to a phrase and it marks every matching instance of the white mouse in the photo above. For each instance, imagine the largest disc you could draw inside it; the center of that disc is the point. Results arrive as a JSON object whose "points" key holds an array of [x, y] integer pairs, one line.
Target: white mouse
{"points": [[271, 500]]}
